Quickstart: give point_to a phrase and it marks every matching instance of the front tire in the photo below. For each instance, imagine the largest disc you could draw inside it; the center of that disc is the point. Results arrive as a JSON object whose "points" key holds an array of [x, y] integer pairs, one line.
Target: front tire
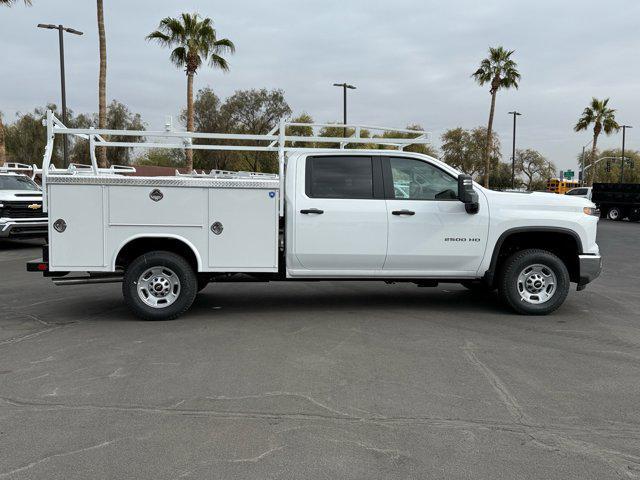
{"points": [[534, 282], [614, 213], [159, 286]]}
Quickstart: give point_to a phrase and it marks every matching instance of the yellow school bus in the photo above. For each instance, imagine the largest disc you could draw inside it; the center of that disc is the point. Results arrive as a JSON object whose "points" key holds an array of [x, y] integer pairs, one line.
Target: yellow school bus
{"points": [[556, 185]]}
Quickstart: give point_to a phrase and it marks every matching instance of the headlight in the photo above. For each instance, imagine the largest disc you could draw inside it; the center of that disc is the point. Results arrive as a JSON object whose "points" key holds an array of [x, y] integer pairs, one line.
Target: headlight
{"points": [[591, 211]]}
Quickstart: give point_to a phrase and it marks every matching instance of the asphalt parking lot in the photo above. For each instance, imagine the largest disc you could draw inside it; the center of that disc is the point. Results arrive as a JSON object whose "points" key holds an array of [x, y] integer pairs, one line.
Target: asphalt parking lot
{"points": [[321, 381]]}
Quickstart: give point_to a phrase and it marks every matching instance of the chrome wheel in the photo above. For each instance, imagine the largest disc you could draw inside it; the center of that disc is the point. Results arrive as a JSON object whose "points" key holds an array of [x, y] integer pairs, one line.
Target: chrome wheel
{"points": [[158, 287], [614, 214], [536, 284]]}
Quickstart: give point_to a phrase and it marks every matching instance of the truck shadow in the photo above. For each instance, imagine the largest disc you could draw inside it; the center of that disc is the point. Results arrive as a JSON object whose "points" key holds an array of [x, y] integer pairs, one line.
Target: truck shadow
{"points": [[20, 244], [369, 300]]}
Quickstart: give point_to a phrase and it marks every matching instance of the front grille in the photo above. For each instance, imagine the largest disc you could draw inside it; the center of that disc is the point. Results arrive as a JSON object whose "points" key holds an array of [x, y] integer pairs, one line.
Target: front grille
{"points": [[21, 210]]}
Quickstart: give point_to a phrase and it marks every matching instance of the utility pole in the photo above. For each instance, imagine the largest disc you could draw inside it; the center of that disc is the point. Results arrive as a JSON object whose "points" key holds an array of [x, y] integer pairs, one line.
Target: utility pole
{"points": [[513, 150], [344, 86], [624, 129], [61, 29]]}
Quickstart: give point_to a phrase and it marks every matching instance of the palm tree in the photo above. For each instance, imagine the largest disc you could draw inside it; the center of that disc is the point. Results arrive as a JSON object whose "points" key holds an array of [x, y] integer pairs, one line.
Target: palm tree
{"points": [[102, 82], [499, 71], [8, 3], [195, 42], [603, 118]]}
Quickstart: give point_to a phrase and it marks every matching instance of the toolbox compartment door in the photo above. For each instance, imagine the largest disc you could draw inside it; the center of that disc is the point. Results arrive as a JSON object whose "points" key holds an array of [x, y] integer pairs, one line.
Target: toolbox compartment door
{"points": [[248, 241], [81, 244]]}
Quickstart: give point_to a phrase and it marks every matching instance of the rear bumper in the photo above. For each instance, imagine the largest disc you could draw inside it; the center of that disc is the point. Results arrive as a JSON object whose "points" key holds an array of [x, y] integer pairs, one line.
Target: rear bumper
{"points": [[27, 228], [590, 268]]}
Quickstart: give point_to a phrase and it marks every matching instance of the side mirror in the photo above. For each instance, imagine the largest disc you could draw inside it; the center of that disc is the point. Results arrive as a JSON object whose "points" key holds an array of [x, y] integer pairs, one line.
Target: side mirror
{"points": [[467, 195]]}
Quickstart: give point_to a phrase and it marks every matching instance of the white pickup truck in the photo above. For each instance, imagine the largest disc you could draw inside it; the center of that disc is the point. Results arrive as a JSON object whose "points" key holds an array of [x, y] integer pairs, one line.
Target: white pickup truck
{"points": [[21, 213], [330, 214]]}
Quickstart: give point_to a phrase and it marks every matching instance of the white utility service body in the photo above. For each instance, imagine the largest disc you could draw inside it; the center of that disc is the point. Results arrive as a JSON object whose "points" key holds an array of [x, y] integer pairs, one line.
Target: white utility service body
{"points": [[330, 214]]}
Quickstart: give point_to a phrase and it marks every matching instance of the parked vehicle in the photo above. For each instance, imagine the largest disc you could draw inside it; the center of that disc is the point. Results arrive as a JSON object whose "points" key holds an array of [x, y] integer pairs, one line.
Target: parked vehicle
{"points": [[331, 214], [618, 200], [584, 192], [560, 185], [21, 214]]}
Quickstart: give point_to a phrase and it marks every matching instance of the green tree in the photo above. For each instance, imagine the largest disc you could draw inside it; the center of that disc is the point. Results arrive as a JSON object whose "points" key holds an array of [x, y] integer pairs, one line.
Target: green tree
{"points": [[500, 176], [424, 148], [26, 137], [464, 149], [305, 131], [500, 72], [196, 42], [256, 112], [535, 168], [603, 119], [102, 81], [631, 168], [162, 157]]}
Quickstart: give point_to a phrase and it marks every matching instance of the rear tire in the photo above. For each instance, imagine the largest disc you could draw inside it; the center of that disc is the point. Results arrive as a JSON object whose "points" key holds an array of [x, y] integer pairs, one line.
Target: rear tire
{"points": [[159, 286], [534, 282], [614, 213]]}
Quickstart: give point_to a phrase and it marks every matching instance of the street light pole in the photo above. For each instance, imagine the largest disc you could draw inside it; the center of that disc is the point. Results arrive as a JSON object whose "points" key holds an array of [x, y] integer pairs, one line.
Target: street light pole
{"points": [[344, 86], [624, 129], [513, 150], [61, 29]]}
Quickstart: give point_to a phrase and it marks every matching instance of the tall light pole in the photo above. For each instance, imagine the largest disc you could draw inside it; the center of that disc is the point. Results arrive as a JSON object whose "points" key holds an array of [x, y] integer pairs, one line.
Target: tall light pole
{"points": [[344, 86], [61, 29], [624, 129], [513, 150]]}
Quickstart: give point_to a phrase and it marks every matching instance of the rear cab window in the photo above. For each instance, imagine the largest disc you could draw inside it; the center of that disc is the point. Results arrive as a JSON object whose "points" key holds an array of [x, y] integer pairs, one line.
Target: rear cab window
{"points": [[341, 176]]}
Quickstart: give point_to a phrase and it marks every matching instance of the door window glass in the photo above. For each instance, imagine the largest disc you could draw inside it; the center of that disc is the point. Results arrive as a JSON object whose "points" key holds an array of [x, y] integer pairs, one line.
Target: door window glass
{"points": [[339, 177], [418, 180]]}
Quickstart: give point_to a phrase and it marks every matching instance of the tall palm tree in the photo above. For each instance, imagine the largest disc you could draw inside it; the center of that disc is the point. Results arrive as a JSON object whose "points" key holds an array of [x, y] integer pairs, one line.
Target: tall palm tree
{"points": [[8, 3], [603, 118], [102, 82], [195, 41], [499, 71]]}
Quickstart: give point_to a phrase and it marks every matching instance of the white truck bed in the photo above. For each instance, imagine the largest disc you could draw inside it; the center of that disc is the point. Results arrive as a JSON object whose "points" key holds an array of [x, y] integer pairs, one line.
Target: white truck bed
{"points": [[108, 211]]}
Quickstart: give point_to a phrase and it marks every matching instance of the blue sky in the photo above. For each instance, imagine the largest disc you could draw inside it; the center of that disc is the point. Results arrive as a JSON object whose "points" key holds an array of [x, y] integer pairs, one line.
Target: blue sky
{"points": [[411, 61]]}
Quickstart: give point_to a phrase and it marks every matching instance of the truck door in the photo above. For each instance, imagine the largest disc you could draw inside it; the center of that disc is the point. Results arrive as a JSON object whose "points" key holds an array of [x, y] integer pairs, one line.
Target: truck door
{"points": [[340, 215], [430, 233]]}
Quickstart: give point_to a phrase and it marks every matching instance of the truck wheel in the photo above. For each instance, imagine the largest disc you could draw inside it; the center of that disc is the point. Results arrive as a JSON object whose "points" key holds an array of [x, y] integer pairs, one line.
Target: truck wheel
{"points": [[614, 213], [534, 282], [159, 286]]}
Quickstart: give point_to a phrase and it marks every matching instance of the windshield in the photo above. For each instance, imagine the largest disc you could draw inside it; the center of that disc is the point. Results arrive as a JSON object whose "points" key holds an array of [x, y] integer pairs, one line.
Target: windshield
{"points": [[17, 182]]}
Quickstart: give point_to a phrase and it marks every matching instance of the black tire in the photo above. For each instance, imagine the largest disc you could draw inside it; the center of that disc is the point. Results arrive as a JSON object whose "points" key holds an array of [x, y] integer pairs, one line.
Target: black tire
{"points": [[509, 285], [178, 266], [477, 286], [614, 214]]}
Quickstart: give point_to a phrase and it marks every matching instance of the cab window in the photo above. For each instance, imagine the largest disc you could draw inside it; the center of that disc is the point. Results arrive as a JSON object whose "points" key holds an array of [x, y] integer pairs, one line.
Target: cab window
{"points": [[349, 177], [417, 180]]}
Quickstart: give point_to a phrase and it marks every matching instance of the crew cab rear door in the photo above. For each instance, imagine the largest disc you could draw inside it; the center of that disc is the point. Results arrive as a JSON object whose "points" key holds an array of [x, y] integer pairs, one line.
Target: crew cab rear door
{"points": [[340, 215], [430, 232]]}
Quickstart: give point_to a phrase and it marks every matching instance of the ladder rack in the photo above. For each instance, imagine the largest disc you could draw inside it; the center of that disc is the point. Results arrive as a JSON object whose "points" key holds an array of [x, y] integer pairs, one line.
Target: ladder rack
{"points": [[277, 140]]}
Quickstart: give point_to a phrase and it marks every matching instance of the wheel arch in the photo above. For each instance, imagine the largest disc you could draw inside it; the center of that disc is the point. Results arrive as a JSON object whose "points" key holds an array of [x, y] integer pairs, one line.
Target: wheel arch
{"points": [[564, 242], [138, 244]]}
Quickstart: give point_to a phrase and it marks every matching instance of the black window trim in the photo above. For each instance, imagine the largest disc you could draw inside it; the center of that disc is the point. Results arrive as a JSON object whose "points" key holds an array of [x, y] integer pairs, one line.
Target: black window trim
{"points": [[376, 170], [388, 180]]}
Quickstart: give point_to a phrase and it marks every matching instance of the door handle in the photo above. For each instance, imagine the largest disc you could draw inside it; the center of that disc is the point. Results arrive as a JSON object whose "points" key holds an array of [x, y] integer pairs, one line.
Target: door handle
{"points": [[312, 210], [403, 212]]}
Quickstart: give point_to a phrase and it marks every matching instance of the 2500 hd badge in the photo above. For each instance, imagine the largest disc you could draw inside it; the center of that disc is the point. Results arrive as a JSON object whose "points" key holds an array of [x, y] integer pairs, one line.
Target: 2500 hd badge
{"points": [[461, 239]]}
